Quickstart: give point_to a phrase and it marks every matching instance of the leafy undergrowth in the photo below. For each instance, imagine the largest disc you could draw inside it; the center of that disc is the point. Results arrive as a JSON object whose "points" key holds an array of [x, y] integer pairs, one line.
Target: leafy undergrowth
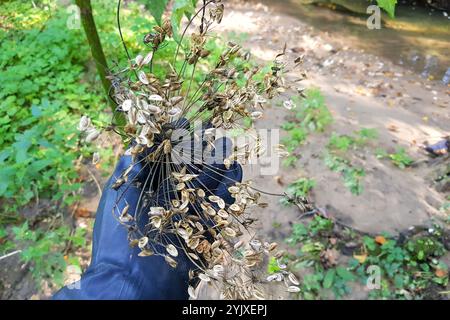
{"points": [[332, 260], [47, 251]]}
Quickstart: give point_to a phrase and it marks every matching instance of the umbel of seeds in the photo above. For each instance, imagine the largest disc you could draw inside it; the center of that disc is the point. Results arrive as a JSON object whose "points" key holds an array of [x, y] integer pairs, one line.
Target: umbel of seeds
{"points": [[177, 217]]}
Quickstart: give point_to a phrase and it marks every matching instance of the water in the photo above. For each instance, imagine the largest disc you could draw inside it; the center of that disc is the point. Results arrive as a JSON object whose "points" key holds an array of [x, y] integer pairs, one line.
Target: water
{"points": [[418, 38]]}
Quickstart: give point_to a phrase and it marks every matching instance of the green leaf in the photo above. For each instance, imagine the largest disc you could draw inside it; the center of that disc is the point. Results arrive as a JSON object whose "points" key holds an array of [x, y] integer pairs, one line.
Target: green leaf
{"points": [[329, 278], [180, 8], [345, 274], [273, 267], [156, 8], [388, 6]]}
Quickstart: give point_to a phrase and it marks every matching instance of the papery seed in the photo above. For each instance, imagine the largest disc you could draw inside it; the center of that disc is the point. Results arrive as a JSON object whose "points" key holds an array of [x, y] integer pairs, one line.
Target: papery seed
{"points": [[92, 134], [293, 279], [293, 289], [172, 250], [139, 59], [192, 293], [174, 111], [145, 253], [143, 77], [204, 277], [155, 97], [222, 213], [170, 261], [148, 58], [230, 232], [143, 242], [84, 124]]}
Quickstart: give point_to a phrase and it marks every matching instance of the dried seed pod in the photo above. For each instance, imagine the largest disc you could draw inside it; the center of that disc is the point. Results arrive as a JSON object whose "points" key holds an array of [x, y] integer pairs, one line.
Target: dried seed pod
{"points": [[85, 123], [170, 261], [293, 289], [154, 107], [138, 60], [293, 279], [204, 277], [92, 134], [148, 58], [170, 248], [143, 242], [229, 232], [143, 77], [192, 292], [145, 253], [174, 111], [155, 97]]}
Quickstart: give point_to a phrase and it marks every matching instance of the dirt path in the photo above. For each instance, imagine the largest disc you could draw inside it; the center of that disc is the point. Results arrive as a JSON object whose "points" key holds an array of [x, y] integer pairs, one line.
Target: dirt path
{"points": [[361, 91]]}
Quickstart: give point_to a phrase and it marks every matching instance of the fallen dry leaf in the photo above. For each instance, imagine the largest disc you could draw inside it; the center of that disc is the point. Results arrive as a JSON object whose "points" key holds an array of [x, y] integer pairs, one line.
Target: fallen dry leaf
{"points": [[393, 128], [380, 240], [440, 273], [82, 213], [361, 258]]}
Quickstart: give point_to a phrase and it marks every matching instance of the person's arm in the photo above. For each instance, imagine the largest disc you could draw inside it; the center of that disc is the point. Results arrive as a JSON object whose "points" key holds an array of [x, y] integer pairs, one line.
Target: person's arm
{"points": [[116, 271]]}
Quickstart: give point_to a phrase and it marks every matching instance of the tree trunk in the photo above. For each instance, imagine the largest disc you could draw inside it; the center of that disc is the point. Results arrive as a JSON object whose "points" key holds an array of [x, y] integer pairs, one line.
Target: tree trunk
{"points": [[96, 47]]}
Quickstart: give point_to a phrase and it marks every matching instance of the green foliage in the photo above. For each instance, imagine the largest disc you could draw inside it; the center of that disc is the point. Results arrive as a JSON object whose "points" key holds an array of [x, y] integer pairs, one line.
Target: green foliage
{"points": [[366, 134], [351, 175], [401, 159], [318, 226], [301, 187], [340, 142], [43, 250], [181, 8], [409, 269], [272, 266], [338, 145], [156, 8], [313, 240], [296, 136], [359, 139], [38, 113], [388, 6], [313, 113]]}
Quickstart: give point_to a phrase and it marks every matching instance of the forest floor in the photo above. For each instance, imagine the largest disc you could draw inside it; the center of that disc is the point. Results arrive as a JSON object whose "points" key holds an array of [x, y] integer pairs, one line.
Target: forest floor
{"points": [[361, 91]]}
